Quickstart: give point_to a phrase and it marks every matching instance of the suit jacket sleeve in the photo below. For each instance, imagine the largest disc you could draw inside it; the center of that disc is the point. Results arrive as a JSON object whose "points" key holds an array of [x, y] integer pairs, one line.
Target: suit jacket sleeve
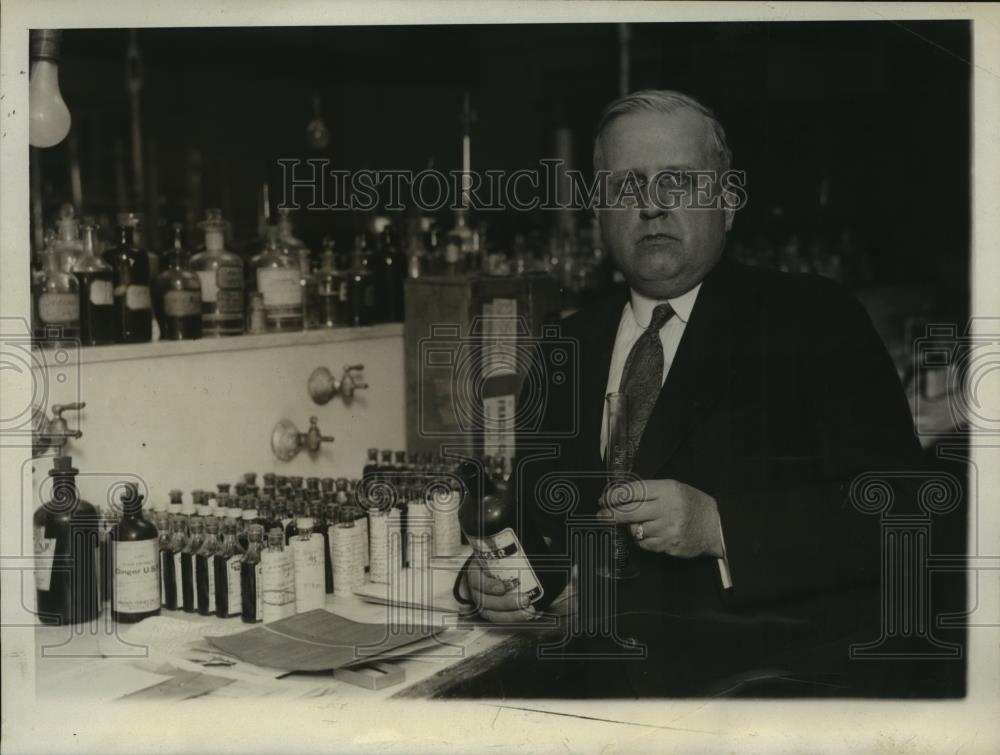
{"points": [[794, 541]]}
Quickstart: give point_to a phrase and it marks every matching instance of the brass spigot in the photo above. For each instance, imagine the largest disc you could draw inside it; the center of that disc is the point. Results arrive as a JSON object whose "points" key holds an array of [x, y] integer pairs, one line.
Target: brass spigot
{"points": [[55, 432], [323, 386], [287, 441]]}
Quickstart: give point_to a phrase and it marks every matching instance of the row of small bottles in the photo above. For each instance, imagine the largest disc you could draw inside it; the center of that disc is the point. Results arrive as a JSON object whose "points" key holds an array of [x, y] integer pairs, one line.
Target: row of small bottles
{"points": [[111, 297], [208, 555]]}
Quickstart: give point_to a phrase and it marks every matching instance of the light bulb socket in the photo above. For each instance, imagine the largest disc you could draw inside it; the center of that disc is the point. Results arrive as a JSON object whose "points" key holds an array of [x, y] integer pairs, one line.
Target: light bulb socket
{"points": [[45, 44]]}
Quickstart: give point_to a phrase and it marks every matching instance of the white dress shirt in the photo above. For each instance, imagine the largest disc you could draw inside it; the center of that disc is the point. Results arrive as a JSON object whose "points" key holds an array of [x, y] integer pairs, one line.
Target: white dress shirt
{"points": [[636, 316]]}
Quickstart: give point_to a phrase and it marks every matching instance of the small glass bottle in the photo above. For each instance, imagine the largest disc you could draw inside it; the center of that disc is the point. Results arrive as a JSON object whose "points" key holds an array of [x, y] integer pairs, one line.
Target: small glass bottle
{"points": [[222, 277], [57, 300], [276, 278], [390, 274], [170, 550], [97, 299], [226, 565], [134, 547], [177, 295], [362, 296], [131, 279], [65, 547], [309, 282], [332, 287], [251, 583], [196, 538], [277, 579], [204, 569], [67, 243], [256, 314]]}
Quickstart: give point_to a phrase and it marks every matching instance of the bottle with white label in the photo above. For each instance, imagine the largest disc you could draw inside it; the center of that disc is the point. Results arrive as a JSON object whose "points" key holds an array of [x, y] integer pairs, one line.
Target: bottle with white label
{"points": [[309, 564], [134, 549], [65, 547], [226, 564], [56, 300], [251, 581], [131, 279], [487, 516], [170, 553], [177, 295], [347, 553], [204, 568], [188, 556], [276, 277], [96, 294], [277, 574], [221, 274]]}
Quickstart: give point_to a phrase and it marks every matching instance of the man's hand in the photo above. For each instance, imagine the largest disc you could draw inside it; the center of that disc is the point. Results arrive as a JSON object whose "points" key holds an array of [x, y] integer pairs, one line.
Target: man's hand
{"points": [[496, 600], [676, 519]]}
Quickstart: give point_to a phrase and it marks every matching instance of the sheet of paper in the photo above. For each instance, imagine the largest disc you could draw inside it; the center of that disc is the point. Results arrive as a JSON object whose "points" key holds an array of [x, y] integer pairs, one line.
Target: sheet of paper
{"points": [[95, 681], [416, 588], [317, 641]]}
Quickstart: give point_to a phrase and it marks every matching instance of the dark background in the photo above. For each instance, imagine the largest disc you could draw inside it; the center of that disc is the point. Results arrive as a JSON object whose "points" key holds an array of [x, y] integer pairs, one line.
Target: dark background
{"points": [[880, 112]]}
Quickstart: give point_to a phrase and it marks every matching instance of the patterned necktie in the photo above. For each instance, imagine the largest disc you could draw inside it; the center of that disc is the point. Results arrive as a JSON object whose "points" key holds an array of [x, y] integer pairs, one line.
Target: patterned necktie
{"points": [[642, 377]]}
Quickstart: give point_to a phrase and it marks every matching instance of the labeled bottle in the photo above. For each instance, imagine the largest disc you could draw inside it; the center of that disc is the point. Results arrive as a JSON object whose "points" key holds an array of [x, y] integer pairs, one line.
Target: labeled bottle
{"points": [[96, 294], [308, 547], [170, 550], [348, 500], [390, 274], [276, 278], [226, 565], [251, 583], [444, 504], [221, 275], [204, 569], [309, 282], [56, 300], [347, 553], [177, 295], [321, 526], [131, 279], [362, 296], [196, 538], [419, 531], [66, 551], [277, 579], [134, 549], [66, 243], [332, 289], [488, 517]]}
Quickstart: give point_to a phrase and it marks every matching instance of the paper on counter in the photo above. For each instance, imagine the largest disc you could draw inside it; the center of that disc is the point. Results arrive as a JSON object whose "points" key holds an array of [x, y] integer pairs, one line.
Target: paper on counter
{"points": [[318, 641]]}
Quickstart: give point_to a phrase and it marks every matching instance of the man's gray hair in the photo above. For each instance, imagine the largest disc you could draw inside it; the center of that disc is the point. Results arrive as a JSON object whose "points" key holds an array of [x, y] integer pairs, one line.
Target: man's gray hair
{"points": [[663, 101]]}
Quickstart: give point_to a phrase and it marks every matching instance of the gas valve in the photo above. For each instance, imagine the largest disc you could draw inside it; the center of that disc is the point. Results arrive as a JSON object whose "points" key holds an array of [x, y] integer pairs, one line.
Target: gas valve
{"points": [[287, 441], [55, 432], [323, 386]]}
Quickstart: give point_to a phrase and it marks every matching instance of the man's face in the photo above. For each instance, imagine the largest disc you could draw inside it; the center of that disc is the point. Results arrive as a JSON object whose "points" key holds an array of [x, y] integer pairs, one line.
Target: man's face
{"points": [[661, 252]]}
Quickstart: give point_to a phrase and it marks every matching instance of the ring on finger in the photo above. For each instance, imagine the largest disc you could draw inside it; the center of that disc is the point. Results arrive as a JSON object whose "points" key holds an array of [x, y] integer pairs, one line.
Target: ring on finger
{"points": [[638, 532]]}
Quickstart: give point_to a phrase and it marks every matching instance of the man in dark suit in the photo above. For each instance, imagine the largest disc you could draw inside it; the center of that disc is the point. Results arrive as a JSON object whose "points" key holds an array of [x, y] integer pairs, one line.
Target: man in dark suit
{"points": [[755, 399]]}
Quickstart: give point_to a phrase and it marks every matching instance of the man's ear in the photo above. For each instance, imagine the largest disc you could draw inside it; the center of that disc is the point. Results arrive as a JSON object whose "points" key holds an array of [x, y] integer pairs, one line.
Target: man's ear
{"points": [[730, 216]]}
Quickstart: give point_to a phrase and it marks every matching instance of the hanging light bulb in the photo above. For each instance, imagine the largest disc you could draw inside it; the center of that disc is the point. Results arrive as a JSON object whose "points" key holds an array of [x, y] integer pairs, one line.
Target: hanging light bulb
{"points": [[48, 116]]}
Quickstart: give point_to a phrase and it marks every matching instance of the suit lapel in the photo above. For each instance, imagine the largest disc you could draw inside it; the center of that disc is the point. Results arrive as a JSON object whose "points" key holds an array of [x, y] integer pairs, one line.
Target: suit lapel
{"points": [[701, 371]]}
